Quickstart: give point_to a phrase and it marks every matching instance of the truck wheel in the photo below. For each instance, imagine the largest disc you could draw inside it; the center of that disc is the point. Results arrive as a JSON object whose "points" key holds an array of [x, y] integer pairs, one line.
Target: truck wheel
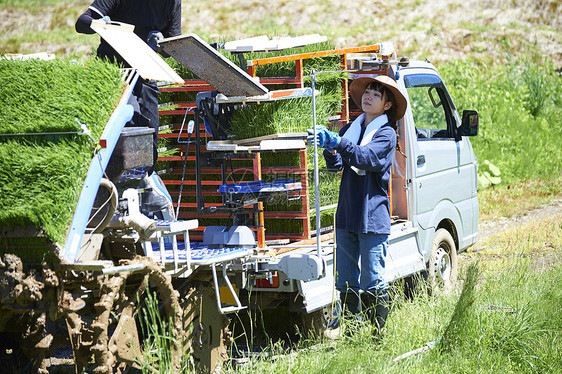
{"points": [[443, 261], [316, 322], [205, 329]]}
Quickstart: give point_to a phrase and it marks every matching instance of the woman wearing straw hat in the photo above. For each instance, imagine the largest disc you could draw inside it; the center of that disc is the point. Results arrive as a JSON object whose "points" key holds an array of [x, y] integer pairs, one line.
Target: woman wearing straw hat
{"points": [[364, 150]]}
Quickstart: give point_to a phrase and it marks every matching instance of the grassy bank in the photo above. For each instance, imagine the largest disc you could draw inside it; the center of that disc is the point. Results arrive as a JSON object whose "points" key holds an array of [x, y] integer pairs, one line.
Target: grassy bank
{"points": [[518, 197], [438, 30], [520, 106]]}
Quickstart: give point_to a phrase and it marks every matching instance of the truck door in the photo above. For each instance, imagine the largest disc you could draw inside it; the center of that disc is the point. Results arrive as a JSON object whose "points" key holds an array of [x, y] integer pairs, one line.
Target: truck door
{"points": [[443, 167]]}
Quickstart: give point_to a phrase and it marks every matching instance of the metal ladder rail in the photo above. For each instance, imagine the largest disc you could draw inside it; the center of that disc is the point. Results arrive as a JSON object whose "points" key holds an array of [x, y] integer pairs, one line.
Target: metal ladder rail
{"points": [[229, 309], [175, 228], [172, 230]]}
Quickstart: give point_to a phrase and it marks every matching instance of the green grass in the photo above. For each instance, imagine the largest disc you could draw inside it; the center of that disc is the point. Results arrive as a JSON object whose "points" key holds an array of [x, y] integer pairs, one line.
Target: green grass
{"points": [[514, 198], [520, 109], [505, 316], [160, 338], [513, 322]]}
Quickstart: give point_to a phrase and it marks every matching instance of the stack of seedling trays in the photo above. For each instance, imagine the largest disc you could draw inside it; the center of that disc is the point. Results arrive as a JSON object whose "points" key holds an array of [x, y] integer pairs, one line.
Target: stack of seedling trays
{"points": [[44, 153], [284, 218]]}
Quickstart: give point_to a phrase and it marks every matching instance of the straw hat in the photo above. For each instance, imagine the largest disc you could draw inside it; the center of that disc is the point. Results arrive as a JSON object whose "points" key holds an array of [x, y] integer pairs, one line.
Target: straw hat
{"points": [[358, 86]]}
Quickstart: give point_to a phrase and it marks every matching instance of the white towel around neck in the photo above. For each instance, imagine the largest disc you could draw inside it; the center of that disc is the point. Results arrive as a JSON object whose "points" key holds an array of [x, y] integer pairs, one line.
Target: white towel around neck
{"points": [[354, 131]]}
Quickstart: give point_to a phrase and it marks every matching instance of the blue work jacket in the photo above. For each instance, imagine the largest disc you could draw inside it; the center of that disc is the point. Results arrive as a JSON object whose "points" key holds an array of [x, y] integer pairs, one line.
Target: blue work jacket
{"points": [[363, 205]]}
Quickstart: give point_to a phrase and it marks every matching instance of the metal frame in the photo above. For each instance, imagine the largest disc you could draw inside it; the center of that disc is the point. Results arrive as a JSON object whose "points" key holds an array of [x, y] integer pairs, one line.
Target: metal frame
{"points": [[121, 115]]}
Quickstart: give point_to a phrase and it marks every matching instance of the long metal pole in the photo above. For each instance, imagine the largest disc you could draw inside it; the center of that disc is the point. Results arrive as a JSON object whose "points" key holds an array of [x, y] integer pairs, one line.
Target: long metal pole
{"points": [[316, 188]]}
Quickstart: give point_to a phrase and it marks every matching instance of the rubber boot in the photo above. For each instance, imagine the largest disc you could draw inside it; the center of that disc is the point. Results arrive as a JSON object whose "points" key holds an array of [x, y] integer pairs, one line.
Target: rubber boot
{"points": [[352, 311], [350, 308], [377, 312], [351, 302]]}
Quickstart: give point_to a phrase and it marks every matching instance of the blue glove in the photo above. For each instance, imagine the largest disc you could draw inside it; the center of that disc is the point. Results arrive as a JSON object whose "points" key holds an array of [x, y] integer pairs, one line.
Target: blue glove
{"points": [[325, 138], [153, 38], [106, 19], [332, 140]]}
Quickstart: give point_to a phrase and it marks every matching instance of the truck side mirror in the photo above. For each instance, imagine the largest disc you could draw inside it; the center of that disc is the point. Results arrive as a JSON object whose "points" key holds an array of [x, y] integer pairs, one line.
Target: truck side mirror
{"points": [[469, 126]]}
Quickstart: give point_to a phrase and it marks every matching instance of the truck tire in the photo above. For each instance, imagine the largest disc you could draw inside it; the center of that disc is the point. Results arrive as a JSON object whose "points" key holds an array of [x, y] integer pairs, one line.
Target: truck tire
{"points": [[315, 323], [443, 265], [205, 330]]}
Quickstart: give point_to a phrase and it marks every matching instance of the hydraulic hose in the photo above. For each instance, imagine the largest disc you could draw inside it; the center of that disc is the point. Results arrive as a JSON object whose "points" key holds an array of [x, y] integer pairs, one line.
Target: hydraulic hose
{"points": [[107, 184]]}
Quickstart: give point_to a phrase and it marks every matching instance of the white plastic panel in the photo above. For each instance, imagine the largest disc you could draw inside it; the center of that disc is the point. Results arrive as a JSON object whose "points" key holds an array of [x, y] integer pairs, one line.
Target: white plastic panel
{"points": [[135, 51]]}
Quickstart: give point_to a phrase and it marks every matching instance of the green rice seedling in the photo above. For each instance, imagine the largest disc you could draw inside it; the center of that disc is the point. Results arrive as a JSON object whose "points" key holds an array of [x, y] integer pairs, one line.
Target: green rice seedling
{"points": [[40, 184], [47, 96], [287, 68], [41, 174], [290, 116], [283, 116], [328, 182], [282, 69]]}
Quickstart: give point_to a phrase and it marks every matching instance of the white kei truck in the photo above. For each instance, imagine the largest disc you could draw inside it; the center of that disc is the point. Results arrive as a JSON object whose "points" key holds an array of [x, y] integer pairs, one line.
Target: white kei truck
{"points": [[433, 190]]}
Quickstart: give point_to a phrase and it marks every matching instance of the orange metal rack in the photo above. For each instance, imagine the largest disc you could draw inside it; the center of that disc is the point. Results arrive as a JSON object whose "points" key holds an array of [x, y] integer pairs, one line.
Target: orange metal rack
{"points": [[188, 210]]}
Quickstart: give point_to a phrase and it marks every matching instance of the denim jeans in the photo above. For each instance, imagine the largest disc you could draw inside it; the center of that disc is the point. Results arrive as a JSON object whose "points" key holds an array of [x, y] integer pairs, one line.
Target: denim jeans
{"points": [[360, 261]]}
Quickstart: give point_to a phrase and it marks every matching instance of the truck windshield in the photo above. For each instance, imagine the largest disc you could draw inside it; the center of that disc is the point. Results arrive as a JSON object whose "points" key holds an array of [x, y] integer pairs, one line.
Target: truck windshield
{"points": [[429, 106], [424, 80]]}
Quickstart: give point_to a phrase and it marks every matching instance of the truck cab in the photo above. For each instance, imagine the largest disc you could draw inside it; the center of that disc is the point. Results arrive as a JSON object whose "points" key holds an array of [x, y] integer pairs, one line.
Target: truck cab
{"points": [[442, 179]]}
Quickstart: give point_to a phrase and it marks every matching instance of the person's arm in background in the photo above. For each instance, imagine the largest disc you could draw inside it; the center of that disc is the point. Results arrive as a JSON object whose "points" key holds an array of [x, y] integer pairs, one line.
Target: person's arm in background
{"points": [[85, 20]]}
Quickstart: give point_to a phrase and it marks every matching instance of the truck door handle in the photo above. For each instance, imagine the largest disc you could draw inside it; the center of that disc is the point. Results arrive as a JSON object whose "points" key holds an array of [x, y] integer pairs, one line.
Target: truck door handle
{"points": [[421, 160]]}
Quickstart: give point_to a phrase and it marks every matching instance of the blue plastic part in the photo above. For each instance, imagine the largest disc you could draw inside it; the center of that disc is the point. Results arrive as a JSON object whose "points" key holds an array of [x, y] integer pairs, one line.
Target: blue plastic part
{"points": [[114, 127], [199, 252], [134, 174], [258, 186]]}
